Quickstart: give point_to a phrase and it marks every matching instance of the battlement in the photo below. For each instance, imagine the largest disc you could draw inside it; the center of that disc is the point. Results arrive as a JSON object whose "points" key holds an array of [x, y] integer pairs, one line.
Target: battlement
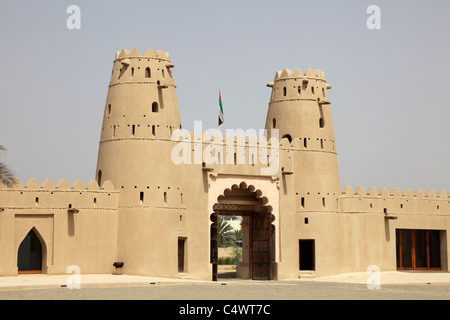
{"points": [[394, 201], [63, 184], [135, 54], [49, 196], [131, 67]]}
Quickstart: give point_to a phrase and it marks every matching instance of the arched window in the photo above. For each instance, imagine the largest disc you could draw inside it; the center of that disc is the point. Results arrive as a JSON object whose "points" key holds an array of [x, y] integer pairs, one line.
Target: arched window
{"points": [[147, 72], [287, 136], [155, 107]]}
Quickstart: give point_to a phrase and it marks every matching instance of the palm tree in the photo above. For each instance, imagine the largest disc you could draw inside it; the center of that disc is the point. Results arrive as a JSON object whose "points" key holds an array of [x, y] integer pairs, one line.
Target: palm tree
{"points": [[6, 175], [226, 232]]}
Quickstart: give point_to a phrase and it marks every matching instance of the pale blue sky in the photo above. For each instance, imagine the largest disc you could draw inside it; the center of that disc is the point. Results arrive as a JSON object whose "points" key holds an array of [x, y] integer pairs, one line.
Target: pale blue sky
{"points": [[390, 102]]}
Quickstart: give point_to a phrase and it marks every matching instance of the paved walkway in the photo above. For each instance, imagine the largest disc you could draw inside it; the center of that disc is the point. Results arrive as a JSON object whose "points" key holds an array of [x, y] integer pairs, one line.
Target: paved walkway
{"points": [[42, 281]]}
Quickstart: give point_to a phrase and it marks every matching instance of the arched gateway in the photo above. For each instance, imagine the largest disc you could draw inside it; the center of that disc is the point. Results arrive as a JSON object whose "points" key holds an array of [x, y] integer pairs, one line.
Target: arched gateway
{"points": [[258, 245]]}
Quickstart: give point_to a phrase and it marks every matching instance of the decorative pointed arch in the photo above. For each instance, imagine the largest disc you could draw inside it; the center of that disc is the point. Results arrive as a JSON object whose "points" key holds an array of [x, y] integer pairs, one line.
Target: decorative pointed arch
{"points": [[31, 252]]}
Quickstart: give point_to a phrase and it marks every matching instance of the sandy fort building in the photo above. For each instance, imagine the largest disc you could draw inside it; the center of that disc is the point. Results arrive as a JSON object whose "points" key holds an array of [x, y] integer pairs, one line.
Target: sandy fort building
{"points": [[158, 191]]}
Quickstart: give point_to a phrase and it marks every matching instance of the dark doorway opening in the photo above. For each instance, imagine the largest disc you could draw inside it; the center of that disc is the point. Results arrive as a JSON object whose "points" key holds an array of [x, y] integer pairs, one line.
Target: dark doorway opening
{"points": [[306, 254], [29, 257], [181, 254]]}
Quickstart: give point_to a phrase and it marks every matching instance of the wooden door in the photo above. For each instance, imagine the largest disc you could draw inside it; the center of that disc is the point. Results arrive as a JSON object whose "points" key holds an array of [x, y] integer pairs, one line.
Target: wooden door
{"points": [[181, 253], [261, 247]]}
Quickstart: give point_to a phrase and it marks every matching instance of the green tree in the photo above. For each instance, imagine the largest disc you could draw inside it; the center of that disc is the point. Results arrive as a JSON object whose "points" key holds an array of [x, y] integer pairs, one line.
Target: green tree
{"points": [[226, 233], [6, 175]]}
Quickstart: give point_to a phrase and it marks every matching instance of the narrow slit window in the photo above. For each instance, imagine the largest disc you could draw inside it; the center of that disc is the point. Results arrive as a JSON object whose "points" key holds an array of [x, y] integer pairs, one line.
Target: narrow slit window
{"points": [[302, 202], [37, 200], [323, 202], [141, 197], [132, 73], [147, 72], [153, 129], [165, 197], [321, 143], [133, 130], [109, 108], [284, 91], [274, 123], [305, 144], [299, 90], [114, 131], [312, 90]]}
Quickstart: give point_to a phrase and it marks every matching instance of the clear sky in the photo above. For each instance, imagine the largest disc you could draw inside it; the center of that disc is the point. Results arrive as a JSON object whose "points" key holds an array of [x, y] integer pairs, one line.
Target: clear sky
{"points": [[390, 87]]}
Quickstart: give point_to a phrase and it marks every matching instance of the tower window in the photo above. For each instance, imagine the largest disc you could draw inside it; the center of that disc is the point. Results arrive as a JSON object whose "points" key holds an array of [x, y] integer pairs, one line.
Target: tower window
{"points": [[287, 136], [323, 202], [99, 177], [155, 107], [141, 196], [165, 197], [133, 130], [299, 90], [284, 91], [312, 90], [147, 72], [321, 123], [302, 202], [305, 144], [132, 73], [323, 92], [274, 123], [109, 108]]}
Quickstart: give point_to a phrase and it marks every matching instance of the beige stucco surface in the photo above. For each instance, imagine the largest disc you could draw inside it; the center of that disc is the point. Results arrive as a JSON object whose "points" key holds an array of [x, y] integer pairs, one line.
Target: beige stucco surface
{"points": [[144, 201]]}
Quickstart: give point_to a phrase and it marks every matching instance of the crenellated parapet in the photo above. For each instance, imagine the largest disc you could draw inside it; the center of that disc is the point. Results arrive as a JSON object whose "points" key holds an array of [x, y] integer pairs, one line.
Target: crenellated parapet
{"points": [[394, 202], [294, 85], [153, 67], [35, 198]]}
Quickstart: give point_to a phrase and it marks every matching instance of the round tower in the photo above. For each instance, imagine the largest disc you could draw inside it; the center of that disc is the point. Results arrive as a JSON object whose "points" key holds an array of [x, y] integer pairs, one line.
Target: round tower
{"points": [[299, 108], [141, 112]]}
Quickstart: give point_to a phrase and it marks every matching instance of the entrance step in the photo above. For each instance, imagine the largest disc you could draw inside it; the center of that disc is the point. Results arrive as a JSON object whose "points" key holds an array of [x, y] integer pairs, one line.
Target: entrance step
{"points": [[306, 274], [184, 276]]}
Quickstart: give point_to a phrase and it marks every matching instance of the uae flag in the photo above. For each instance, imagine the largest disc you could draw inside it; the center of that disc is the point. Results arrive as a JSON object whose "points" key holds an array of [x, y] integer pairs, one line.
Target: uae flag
{"points": [[220, 109]]}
